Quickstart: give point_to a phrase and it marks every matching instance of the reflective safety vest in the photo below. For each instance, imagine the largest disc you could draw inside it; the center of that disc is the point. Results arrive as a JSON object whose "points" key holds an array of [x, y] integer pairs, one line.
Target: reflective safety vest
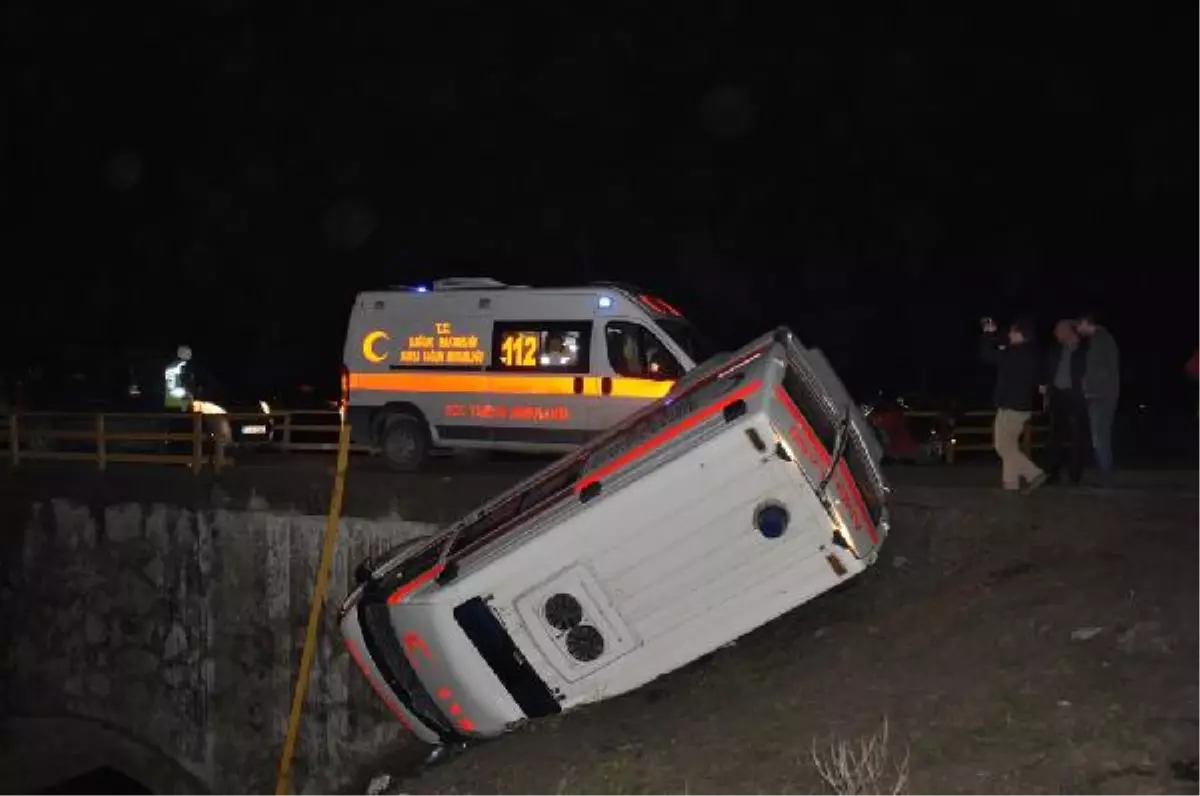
{"points": [[176, 394]]}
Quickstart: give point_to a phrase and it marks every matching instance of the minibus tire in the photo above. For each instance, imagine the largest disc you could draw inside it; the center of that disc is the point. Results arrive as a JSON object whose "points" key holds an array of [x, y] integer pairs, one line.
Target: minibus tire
{"points": [[404, 442]]}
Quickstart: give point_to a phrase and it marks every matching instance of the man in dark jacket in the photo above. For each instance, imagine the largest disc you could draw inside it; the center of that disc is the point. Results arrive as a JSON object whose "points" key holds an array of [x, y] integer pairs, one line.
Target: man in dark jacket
{"points": [[1062, 386], [1101, 389], [1018, 375]]}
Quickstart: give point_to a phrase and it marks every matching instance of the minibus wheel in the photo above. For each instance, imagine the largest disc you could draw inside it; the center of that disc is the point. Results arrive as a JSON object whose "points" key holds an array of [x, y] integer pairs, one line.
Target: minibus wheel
{"points": [[404, 442]]}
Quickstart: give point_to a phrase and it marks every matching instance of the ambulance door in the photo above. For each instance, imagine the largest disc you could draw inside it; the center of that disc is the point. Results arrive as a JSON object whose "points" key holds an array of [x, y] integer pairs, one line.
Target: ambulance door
{"points": [[538, 385], [639, 368]]}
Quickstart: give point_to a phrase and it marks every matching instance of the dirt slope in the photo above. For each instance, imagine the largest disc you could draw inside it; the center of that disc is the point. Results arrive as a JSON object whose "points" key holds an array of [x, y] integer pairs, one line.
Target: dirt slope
{"points": [[961, 636]]}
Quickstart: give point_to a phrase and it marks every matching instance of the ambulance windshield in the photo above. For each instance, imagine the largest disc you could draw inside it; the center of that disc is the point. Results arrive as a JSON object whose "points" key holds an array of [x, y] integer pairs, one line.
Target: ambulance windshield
{"points": [[687, 337]]}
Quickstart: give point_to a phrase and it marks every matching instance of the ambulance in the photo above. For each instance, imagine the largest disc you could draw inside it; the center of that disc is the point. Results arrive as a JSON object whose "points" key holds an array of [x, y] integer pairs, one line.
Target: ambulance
{"points": [[751, 489], [475, 363]]}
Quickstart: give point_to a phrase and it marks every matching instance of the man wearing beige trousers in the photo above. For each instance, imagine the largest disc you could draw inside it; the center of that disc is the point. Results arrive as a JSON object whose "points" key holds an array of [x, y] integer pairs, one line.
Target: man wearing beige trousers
{"points": [[1018, 374]]}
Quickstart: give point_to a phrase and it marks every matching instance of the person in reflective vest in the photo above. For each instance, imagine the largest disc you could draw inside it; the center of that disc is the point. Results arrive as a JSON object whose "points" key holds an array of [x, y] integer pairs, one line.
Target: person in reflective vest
{"points": [[177, 394]]}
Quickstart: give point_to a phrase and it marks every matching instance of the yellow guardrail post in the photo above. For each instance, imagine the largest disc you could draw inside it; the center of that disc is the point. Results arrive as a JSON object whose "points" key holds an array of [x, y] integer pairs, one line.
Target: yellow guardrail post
{"points": [[283, 783]]}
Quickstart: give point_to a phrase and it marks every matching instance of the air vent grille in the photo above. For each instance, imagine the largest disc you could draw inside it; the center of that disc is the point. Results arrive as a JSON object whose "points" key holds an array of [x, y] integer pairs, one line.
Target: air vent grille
{"points": [[585, 643], [563, 612]]}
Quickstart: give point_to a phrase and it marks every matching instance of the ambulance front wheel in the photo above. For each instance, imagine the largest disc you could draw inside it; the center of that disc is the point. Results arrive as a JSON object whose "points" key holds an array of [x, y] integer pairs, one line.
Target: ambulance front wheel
{"points": [[404, 442]]}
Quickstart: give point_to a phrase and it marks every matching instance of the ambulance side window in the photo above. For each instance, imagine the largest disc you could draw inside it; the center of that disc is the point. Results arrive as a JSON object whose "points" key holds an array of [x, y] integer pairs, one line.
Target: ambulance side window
{"points": [[634, 351], [545, 346]]}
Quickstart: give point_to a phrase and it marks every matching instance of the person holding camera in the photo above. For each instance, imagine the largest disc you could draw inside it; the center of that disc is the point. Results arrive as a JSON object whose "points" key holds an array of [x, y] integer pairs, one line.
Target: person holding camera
{"points": [[1018, 375]]}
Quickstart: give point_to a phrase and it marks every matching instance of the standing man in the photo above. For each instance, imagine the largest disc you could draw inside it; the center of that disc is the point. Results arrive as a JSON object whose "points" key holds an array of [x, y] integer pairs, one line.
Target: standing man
{"points": [[177, 393], [1101, 389], [1017, 379], [1063, 392]]}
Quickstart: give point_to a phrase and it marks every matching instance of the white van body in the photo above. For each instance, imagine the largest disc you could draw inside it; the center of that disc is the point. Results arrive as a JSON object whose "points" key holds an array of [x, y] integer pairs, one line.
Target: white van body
{"points": [[474, 363], [749, 491]]}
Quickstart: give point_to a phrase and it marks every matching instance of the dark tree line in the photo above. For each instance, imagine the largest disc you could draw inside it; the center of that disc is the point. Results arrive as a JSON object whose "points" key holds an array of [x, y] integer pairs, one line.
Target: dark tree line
{"points": [[231, 173]]}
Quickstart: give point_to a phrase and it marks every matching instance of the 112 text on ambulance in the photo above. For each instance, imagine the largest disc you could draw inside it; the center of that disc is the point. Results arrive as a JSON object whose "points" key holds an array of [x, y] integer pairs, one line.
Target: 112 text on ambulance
{"points": [[519, 349]]}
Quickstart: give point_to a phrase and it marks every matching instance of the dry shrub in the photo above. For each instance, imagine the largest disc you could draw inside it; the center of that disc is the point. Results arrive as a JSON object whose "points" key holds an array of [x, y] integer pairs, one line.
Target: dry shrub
{"points": [[865, 766]]}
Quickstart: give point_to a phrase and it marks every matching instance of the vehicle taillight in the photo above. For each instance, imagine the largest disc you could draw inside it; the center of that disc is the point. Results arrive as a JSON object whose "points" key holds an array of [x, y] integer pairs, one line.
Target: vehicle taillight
{"points": [[344, 402]]}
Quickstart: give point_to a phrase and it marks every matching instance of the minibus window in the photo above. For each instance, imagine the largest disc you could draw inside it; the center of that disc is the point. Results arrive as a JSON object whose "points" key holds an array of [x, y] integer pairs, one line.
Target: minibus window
{"points": [[634, 351], [687, 337]]}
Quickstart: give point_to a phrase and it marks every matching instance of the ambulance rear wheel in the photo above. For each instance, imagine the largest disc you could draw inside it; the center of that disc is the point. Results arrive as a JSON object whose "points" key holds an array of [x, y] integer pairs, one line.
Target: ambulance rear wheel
{"points": [[404, 442]]}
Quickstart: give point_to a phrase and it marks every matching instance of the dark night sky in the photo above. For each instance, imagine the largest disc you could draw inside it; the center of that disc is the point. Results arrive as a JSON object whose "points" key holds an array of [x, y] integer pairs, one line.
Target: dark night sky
{"points": [[222, 174]]}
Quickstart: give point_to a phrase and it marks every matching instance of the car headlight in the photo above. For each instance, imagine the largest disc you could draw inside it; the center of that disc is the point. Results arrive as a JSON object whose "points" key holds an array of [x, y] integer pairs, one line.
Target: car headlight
{"points": [[265, 407], [207, 408]]}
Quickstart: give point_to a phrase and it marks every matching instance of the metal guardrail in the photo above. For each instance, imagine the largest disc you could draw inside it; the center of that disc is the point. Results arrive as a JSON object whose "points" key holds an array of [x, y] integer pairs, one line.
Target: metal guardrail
{"points": [[285, 431], [162, 438], [189, 439], [1033, 437], [971, 431]]}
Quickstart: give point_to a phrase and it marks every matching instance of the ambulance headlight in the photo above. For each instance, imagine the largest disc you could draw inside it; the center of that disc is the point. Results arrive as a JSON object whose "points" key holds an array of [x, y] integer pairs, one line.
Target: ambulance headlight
{"points": [[771, 520]]}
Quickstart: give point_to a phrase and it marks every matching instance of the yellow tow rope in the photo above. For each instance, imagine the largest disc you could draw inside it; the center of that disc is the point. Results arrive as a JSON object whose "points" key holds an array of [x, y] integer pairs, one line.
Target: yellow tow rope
{"points": [[284, 781]]}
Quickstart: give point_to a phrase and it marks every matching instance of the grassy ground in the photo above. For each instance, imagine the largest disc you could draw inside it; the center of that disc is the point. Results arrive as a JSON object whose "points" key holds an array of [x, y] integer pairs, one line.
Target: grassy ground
{"points": [[1035, 645]]}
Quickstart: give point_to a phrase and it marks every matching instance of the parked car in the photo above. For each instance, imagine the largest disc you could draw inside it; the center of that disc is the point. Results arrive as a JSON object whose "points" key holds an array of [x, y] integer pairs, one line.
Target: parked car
{"points": [[919, 437]]}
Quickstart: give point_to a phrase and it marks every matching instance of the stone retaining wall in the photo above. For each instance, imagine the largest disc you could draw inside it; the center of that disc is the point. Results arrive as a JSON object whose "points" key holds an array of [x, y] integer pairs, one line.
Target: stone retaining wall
{"points": [[183, 629]]}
